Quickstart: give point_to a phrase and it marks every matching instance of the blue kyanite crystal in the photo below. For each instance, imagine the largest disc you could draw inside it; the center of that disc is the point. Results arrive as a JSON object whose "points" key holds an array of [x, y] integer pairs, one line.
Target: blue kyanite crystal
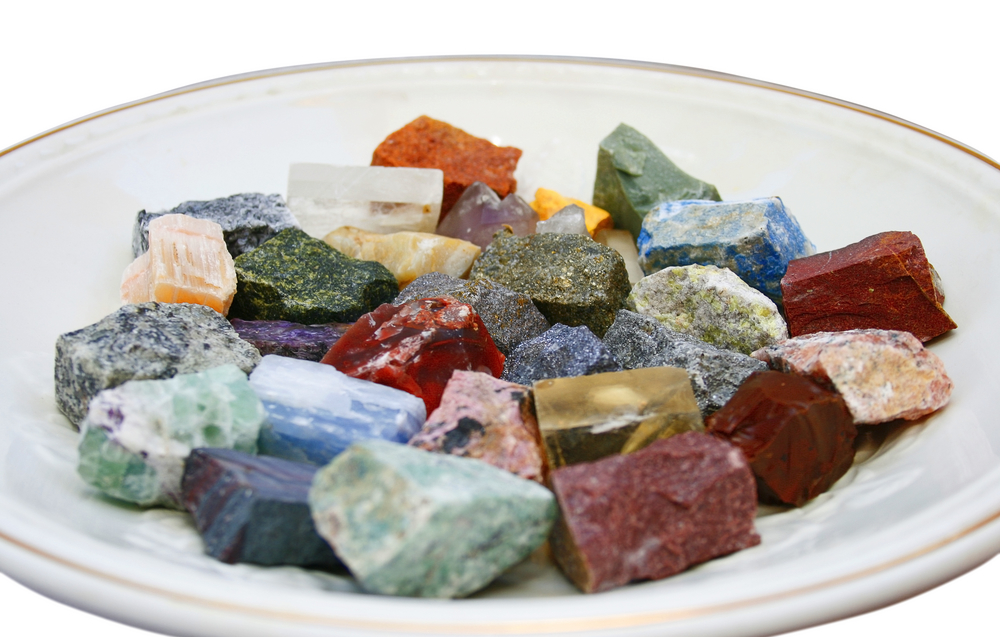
{"points": [[314, 411], [755, 239]]}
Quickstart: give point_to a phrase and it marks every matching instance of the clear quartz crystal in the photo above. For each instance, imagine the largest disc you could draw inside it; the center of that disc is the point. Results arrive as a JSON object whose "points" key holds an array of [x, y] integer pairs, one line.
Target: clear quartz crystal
{"points": [[569, 220]]}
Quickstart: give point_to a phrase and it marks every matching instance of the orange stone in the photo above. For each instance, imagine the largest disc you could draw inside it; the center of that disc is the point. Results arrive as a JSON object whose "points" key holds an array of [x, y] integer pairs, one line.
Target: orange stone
{"points": [[549, 202]]}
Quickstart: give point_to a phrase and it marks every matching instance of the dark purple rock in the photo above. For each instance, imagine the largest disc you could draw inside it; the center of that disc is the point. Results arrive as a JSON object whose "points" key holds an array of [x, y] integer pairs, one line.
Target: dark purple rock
{"points": [[294, 340], [559, 352]]}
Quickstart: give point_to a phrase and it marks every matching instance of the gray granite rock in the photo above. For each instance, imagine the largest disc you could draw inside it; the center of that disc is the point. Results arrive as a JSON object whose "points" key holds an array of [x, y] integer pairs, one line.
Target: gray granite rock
{"points": [[559, 353]]}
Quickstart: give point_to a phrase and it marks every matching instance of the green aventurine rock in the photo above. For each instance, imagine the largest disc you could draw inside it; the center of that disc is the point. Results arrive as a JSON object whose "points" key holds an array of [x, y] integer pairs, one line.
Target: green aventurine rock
{"points": [[294, 277], [410, 522], [633, 176]]}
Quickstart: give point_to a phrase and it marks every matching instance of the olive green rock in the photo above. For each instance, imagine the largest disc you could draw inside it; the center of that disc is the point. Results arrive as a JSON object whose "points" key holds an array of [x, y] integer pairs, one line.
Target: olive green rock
{"points": [[633, 176], [294, 277]]}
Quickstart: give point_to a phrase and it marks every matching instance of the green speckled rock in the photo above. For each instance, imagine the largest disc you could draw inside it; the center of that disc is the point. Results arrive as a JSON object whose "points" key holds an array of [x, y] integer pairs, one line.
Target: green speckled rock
{"points": [[633, 176], [410, 522], [293, 277]]}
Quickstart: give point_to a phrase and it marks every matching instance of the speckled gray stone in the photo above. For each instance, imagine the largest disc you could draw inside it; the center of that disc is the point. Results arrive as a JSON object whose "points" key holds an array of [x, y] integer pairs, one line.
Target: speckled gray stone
{"points": [[560, 352], [143, 341]]}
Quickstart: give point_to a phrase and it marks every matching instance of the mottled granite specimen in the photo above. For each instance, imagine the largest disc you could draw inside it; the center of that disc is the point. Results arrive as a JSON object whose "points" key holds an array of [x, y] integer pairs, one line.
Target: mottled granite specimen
{"points": [[559, 352], [571, 279], [294, 340], [479, 214], [569, 220], [294, 277], [144, 341], [653, 513], [549, 202], [409, 522]]}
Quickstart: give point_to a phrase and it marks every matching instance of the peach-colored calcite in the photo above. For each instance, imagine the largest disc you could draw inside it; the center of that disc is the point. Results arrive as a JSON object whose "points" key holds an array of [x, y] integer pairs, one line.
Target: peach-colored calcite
{"points": [[187, 262]]}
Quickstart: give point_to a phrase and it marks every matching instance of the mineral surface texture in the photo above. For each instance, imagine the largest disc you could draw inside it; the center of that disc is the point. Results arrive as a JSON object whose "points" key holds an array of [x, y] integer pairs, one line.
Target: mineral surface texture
{"points": [[548, 202], [561, 351], [187, 262], [428, 143], [479, 213], [314, 412], [755, 239], [372, 198], [253, 509], [144, 341], [882, 374], [797, 436], [882, 282], [569, 220], [409, 522], [407, 255], [294, 340], [589, 417], [571, 279], [623, 243], [247, 220], [711, 304], [654, 513], [488, 419], [416, 346], [633, 176], [294, 277], [510, 317], [135, 437], [636, 341]]}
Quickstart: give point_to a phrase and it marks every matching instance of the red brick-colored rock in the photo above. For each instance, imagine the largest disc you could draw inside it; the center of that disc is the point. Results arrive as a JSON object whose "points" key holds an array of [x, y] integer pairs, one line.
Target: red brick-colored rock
{"points": [[881, 282], [464, 158], [653, 513], [797, 436]]}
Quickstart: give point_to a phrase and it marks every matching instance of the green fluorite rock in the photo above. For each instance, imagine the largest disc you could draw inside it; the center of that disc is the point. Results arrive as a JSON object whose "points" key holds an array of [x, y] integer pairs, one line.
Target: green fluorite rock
{"points": [[410, 522], [294, 277], [633, 176], [136, 436]]}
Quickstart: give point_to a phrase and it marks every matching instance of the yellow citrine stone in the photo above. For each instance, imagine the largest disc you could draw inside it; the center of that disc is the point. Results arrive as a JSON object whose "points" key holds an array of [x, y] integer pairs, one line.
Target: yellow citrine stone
{"points": [[549, 202], [187, 262]]}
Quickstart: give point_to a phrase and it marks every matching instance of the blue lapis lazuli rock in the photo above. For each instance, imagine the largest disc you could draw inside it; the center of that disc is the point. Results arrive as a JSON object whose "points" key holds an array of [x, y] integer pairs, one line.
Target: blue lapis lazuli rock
{"points": [[314, 411], [755, 239]]}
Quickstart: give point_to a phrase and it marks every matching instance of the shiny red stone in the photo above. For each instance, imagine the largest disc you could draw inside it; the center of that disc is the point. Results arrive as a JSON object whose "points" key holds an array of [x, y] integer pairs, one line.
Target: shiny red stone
{"points": [[881, 282], [416, 346], [798, 436]]}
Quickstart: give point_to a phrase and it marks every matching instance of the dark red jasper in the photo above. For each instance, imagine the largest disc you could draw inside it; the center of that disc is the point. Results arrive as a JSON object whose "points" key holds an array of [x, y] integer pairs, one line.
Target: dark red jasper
{"points": [[798, 436], [881, 282], [416, 346]]}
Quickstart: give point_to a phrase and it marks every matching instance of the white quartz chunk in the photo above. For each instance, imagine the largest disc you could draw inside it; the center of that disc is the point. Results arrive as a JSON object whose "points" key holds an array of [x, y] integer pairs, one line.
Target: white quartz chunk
{"points": [[569, 220]]}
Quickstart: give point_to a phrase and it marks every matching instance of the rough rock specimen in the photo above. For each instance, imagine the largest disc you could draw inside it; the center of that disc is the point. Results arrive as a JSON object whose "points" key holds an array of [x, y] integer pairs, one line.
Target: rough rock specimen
{"points": [[407, 255], [247, 220], [548, 202], [372, 198], [882, 374], [633, 176], [428, 143], [569, 220], [797, 436], [409, 522], [144, 341], [488, 419], [136, 436], [559, 352], [755, 239], [479, 214], [416, 346], [571, 279], [711, 304], [882, 282], [294, 277], [653, 513], [253, 509], [314, 412], [187, 262], [636, 341], [589, 417], [510, 317], [294, 340], [623, 243]]}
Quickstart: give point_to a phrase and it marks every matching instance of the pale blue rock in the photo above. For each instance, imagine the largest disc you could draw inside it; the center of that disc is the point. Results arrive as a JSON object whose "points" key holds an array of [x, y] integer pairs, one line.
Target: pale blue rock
{"points": [[755, 239], [314, 412]]}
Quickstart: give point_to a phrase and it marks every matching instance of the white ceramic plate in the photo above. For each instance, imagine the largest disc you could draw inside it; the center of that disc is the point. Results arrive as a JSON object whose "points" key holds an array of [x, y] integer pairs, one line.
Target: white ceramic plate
{"points": [[920, 510]]}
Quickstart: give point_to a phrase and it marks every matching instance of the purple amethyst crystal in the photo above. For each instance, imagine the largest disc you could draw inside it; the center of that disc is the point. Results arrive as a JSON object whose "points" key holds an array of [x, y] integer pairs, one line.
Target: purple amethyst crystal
{"points": [[479, 214], [294, 340]]}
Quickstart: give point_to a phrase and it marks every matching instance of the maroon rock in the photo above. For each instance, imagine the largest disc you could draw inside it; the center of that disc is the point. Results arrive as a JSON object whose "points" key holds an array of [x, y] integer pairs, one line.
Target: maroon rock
{"points": [[881, 282], [653, 513], [798, 436]]}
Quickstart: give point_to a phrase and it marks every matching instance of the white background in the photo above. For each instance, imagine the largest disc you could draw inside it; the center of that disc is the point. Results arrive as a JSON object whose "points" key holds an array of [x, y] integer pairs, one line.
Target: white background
{"points": [[935, 67]]}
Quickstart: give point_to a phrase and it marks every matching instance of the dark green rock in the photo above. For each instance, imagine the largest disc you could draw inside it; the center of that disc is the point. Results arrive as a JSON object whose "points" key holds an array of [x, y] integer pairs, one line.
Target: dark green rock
{"points": [[294, 277], [633, 176], [571, 279]]}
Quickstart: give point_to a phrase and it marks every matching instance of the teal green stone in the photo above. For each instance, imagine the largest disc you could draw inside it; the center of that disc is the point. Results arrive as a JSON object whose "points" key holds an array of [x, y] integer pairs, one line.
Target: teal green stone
{"points": [[294, 277], [409, 522], [633, 176]]}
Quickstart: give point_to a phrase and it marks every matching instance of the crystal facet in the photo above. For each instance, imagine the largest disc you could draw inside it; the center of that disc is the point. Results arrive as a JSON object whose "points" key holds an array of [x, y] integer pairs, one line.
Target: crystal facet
{"points": [[549, 202], [569, 220], [479, 214]]}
